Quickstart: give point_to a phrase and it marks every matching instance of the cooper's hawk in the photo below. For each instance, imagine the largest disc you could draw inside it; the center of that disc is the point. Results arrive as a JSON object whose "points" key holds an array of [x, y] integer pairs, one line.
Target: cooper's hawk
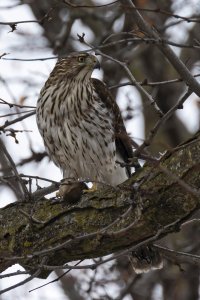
{"points": [[82, 126]]}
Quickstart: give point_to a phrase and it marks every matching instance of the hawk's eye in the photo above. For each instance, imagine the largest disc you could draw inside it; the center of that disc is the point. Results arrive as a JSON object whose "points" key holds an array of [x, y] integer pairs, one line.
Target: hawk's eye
{"points": [[81, 59]]}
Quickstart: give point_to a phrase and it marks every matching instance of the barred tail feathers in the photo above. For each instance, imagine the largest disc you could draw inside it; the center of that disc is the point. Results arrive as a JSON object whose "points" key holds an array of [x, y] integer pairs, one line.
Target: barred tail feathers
{"points": [[145, 259]]}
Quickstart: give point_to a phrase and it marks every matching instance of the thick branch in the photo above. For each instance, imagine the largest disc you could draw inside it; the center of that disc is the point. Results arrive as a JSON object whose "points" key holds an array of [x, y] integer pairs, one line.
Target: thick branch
{"points": [[106, 221]]}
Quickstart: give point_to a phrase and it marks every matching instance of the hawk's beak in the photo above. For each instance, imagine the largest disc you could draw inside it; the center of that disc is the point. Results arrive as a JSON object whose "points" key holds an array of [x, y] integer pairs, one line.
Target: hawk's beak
{"points": [[97, 64]]}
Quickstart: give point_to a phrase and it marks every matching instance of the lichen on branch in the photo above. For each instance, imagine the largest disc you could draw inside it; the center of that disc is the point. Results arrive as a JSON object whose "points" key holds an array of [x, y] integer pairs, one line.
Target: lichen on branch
{"points": [[156, 200]]}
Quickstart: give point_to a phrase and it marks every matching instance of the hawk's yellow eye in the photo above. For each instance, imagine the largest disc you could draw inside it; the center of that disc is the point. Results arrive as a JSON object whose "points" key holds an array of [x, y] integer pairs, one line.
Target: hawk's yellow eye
{"points": [[81, 59]]}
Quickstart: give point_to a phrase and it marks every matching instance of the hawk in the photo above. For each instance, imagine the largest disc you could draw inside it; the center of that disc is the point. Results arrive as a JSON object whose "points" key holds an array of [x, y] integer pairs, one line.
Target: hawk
{"points": [[81, 125]]}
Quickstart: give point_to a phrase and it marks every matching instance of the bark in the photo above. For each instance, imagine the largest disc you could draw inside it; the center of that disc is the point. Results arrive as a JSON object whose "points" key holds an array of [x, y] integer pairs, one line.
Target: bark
{"points": [[154, 202]]}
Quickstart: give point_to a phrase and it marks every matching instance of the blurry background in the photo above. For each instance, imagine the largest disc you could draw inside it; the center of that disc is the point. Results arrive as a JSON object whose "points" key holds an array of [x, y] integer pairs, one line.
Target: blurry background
{"points": [[53, 32]]}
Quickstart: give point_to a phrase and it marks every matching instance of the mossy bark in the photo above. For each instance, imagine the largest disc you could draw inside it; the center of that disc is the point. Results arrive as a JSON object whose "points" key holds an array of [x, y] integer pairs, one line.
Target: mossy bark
{"points": [[141, 207]]}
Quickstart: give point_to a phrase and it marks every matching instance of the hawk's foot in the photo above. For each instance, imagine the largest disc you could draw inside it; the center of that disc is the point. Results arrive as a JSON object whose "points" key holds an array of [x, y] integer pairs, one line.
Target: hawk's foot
{"points": [[92, 189], [71, 192]]}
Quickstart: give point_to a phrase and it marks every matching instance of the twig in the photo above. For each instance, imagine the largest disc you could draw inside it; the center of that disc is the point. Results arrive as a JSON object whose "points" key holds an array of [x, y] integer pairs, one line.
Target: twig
{"points": [[16, 108], [55, 280], [155, 129], [17, 113], [189, 222], [88, 6], [164, 12], [36, 273], [157, 10], [14, 24], [40, 178], [155, 41], [19, 22], [13, 274], [3, 54], [146, 40], [30, 218], [23, 192], [180, 256], [37, 195], [145, 82], [167, 51], [31, 59], [2, 101], [8, 123]]}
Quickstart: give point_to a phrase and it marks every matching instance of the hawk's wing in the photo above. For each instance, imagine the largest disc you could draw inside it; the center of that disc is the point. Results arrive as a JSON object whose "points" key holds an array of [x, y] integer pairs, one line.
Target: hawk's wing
{"points": [[122, 140]]}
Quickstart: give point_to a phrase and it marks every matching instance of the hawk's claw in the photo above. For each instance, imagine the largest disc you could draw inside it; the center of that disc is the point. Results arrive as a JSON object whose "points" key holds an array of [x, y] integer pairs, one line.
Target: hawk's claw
{"points": [[91, 190]]}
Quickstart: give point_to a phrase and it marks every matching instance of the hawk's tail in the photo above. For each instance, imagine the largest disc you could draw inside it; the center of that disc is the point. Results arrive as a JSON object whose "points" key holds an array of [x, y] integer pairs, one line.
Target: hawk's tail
{"points": [[145, 259]]}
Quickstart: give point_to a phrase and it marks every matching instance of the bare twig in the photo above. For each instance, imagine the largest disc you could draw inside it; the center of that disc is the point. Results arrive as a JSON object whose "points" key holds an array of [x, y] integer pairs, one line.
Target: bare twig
{"points": [[40, 178], [2, 101], [13, 274], [88, 6], [8, 123], [166, 116], [18, 22], [14, 24], [155, 41], [133, 80], [179, 256], [45, 191], [57, 279], [31, 59], [3, 54], [145, 82], [170, 14], [137, 39], [21, 189], [17, 113], [167, 51], [36, 274]]}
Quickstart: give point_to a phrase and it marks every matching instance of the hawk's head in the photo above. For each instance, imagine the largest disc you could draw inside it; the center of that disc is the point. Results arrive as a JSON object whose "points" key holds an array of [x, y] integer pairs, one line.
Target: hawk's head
{"points": [[77, 65]]}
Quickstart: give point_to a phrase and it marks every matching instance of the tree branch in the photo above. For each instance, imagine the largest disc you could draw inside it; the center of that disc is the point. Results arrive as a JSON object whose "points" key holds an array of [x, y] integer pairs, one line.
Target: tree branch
{"points": [[148, 206]]}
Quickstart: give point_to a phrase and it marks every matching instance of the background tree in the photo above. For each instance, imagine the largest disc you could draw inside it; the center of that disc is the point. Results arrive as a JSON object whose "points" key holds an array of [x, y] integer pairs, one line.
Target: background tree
{"points": [[127, 51]]}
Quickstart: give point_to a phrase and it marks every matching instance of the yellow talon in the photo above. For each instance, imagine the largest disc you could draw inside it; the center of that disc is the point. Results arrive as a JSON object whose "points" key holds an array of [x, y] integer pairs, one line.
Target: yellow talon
{"points": [[92, 189]]}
